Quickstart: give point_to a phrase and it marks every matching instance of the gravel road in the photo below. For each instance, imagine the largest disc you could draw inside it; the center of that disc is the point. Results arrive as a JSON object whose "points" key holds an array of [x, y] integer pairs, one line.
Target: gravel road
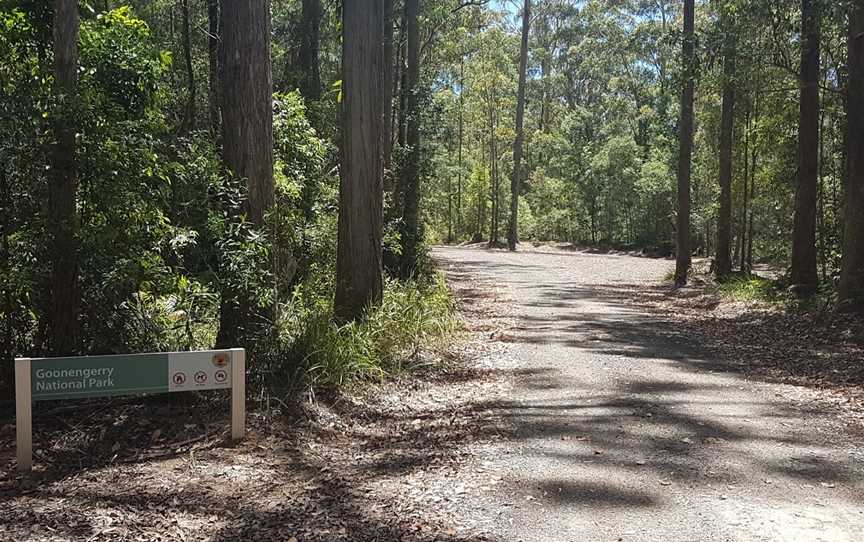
{"points": [[620, 427]]}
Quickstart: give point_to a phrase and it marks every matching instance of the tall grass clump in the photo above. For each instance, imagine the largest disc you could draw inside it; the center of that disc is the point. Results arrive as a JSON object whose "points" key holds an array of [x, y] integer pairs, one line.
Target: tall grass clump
{"points": [[412, 316], [751, 289]]}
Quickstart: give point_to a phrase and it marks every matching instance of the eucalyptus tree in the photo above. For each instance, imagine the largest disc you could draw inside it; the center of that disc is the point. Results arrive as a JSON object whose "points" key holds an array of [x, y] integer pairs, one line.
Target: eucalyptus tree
{"points": [[804, 271], [410, 230], [359, 281], [852, 276], [516, 176], [247, 109], [723, 261], [213, 91], [685, 153], [310, 44], [63, 184]]}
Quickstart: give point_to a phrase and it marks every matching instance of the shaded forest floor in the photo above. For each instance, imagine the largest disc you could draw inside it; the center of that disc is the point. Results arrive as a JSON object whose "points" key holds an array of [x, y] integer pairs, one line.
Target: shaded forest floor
{"points": [[384, 463], [820, 350]]}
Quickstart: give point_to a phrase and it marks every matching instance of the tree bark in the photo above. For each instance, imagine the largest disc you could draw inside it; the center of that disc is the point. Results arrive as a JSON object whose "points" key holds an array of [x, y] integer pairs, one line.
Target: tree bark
{"points": [[745, 203], [685, 154], [804, 274], [247, 110], [191, 98], [852, 274], [493, 174], [402, 127], [389, 89], [310, 44], [7, 346], [516, 180], [359, 281], [63, 185], [754, 167], [213, 58], [410, 225], [723, 262], [461, 144]]}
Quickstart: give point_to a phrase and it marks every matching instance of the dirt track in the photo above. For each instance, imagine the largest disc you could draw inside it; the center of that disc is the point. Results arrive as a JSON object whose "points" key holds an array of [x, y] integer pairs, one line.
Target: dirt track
{"points": [[621, 427]]}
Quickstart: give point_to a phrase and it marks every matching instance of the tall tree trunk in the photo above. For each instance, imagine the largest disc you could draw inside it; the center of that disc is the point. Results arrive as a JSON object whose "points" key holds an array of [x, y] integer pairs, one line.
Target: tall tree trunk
{"points": [[804, 274], [481, 202], [516, 180], [310, 43], [545, 65], [213, 58], [493, 176], [247, 110], [685, 155], [461, 144], [389, 90], [723, 262], [449, 209], [852, 274], [754, 167], [7, 336], [411, 183], [361, 190], [742, 239], [404, 88], [821, 221], [63, 185], [189, 116]]}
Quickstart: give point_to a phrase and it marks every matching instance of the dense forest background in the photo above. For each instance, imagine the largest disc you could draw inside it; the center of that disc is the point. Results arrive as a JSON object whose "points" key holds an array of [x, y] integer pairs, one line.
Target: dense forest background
{"points": [[137, 211]]}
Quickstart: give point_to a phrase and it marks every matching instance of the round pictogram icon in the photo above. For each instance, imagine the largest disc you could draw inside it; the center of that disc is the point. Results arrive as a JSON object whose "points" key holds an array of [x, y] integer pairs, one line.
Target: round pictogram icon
{"points": [[200, 377], [221, 376], [220, 360], [179, 378]]}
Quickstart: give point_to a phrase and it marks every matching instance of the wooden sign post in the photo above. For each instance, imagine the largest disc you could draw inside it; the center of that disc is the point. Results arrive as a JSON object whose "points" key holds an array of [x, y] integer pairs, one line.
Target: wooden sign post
{"points": [[46, 379]]}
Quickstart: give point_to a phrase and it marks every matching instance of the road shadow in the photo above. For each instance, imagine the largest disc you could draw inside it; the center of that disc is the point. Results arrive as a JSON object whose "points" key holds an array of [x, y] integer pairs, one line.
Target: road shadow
{"points": [[661, 427]]}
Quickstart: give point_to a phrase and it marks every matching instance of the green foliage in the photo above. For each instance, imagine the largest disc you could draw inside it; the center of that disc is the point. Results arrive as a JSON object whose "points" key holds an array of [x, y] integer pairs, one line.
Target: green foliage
{"points": [[411, 316], [750, 289], [120, 67]]}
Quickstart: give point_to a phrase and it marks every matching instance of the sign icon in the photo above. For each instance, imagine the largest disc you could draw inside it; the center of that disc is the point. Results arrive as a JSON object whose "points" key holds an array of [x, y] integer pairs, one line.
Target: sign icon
{"points": [[200, 377], [179, 378], [220, 360], [221, 376]]}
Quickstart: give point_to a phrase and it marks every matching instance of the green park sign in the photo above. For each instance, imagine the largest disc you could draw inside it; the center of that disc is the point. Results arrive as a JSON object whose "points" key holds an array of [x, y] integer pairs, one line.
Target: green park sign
{"points": [[100, 376], [44, 379]]}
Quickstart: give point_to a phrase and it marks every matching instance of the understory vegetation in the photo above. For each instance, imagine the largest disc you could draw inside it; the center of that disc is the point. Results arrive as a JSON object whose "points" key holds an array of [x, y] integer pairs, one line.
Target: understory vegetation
{"points": [[750, 288], [164, 240]]}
